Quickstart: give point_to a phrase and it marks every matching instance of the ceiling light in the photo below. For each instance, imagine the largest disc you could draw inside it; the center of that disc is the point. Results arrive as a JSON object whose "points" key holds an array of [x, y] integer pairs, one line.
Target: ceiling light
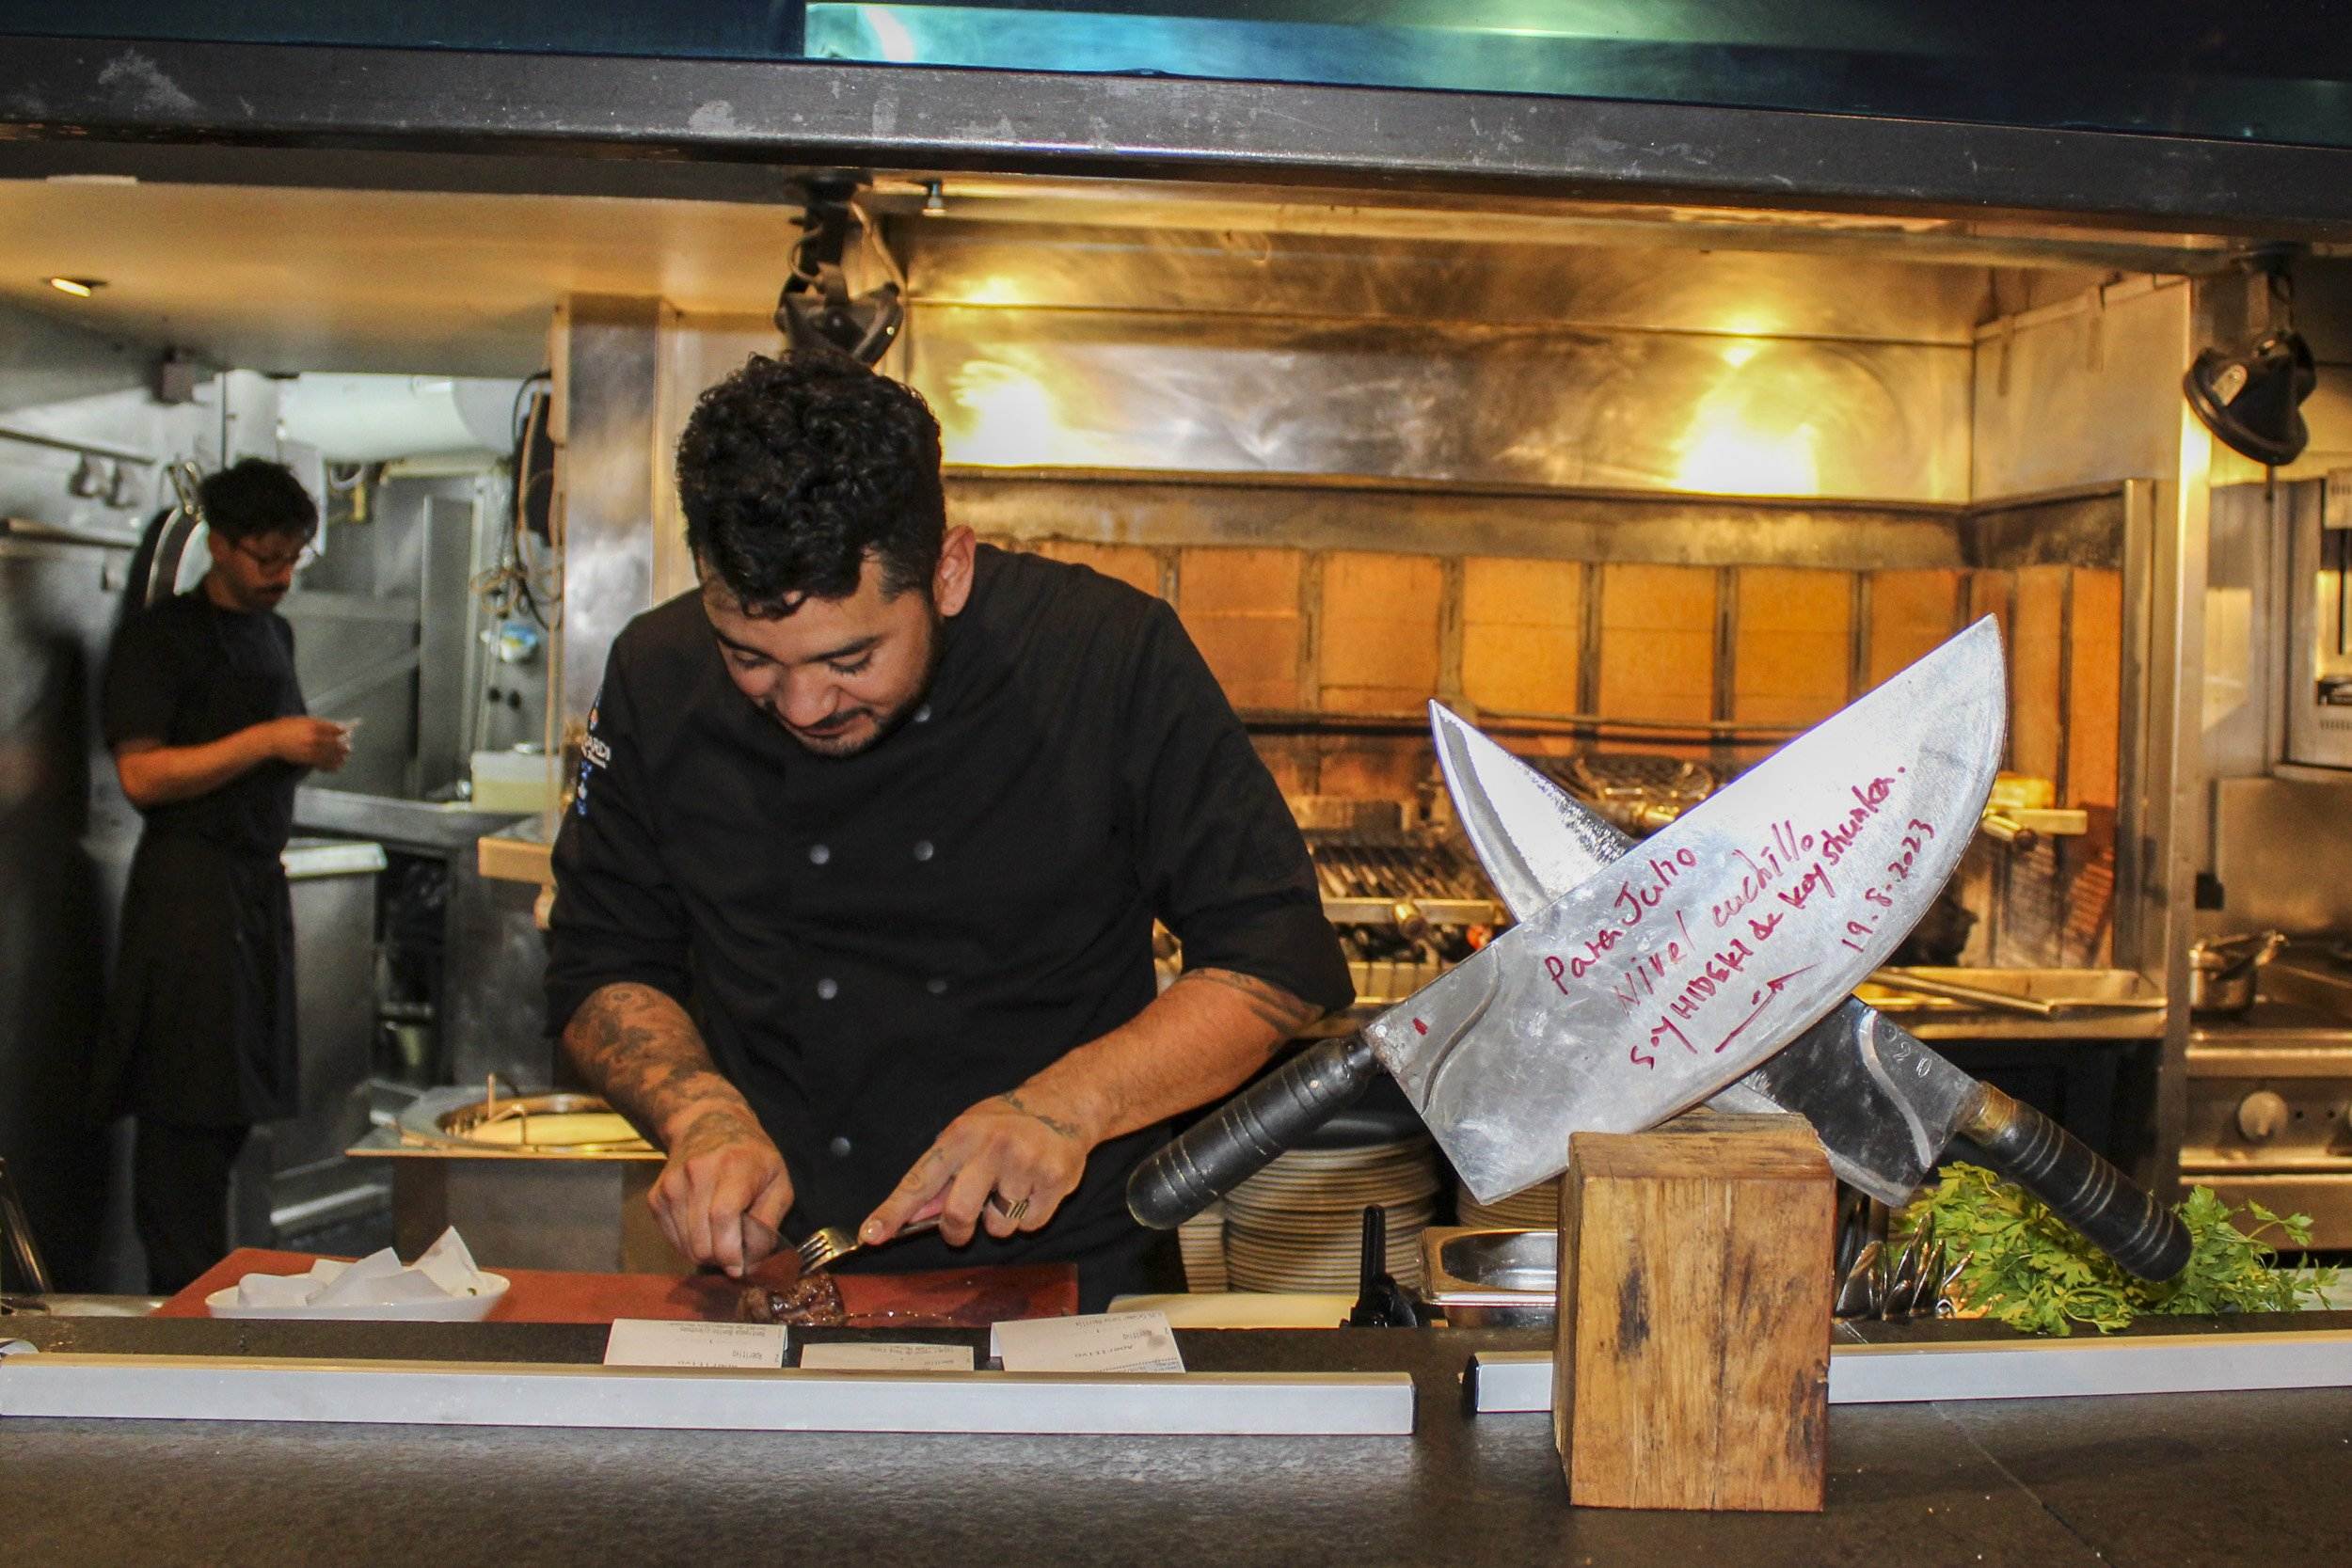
{"points": [[80, 288], [934, 204]]}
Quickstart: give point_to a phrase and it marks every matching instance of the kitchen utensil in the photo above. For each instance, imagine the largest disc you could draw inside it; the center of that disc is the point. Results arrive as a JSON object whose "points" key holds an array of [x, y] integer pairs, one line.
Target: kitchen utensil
{"points": [[1491, 1276], [1902, 1280], [1861, 1289], [1956, 990], [2223, 971], [1379, 1302], [1915, 1281], [829, 1244], [1883, 1105], [1637, 994], [1640, 793], [19, 1228]]}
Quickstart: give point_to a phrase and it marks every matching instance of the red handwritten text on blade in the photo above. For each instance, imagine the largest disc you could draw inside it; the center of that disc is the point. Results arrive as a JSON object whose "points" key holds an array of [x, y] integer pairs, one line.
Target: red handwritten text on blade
{"points": [[1799, 875]]}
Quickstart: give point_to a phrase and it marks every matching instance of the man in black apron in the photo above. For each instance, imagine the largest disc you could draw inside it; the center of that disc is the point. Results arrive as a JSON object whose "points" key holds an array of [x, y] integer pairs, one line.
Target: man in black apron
{"points": [[208, 736], [854, 902]]}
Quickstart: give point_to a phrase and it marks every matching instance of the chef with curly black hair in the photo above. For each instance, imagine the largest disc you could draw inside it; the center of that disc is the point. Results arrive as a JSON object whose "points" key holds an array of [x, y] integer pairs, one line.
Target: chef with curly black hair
{"points": [[854, 897]]}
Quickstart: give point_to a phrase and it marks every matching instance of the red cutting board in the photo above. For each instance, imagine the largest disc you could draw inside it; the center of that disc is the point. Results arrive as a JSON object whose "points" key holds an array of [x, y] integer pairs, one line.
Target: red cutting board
{"points": [[932, 1298]]}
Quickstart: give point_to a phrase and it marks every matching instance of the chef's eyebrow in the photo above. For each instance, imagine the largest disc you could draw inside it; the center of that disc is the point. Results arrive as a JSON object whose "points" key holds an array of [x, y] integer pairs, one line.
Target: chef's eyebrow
{"points": [[831, 656]]}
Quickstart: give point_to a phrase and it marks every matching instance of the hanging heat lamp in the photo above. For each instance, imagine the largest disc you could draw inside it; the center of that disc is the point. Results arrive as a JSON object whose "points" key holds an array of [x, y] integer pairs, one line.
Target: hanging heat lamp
{"points": [[816, 306], [2250, 394]]}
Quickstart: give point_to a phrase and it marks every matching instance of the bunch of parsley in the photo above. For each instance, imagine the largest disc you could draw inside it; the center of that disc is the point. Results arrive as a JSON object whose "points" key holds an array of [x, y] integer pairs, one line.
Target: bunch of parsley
{"points": [[2030, 1269]]}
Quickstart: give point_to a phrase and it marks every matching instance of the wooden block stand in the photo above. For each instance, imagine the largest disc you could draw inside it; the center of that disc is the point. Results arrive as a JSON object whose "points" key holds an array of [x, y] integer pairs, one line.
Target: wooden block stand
{"points": [[1692, 1364]]}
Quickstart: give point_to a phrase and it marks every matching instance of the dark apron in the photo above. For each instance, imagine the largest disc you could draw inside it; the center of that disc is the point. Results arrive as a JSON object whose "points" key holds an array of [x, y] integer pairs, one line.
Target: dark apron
{"points": [[200, 1025]]}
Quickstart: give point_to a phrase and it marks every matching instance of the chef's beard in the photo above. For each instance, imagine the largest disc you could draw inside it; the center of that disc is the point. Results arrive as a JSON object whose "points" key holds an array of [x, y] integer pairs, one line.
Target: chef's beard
{"points": [[864, 737]]}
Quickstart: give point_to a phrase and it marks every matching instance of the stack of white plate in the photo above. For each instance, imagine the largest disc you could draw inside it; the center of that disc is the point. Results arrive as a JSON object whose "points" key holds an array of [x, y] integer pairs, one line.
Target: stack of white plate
{"points": [[1201, 1239], [1298, 1224], [1536, 1208]]}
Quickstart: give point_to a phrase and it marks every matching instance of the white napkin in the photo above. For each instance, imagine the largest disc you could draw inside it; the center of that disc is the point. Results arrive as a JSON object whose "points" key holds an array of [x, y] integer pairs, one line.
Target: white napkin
{"points": [[445, 1272], [448, 1265]]}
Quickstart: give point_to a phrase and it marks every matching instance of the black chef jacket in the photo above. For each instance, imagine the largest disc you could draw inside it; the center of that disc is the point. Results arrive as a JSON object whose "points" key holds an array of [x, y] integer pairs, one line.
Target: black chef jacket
{"points": [[873, 944], [200, 1022]]}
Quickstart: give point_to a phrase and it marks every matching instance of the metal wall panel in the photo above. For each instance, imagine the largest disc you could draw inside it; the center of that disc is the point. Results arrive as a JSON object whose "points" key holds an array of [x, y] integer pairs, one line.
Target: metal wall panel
{"points": [[45, 360], [2243, 678], [2083, 396], [449, 684], [1476, 404], [1257, 271], [2270, 836], [1274, 511], [609, 383]]}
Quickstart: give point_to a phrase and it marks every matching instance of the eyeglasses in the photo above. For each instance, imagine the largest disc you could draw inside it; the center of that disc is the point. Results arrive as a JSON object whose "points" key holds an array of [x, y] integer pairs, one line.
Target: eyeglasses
{"points": [[279, 561]]}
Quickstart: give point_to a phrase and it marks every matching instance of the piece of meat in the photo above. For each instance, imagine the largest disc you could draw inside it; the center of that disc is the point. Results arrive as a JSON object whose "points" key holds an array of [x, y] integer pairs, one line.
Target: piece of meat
{"points": [[812, 1301]]}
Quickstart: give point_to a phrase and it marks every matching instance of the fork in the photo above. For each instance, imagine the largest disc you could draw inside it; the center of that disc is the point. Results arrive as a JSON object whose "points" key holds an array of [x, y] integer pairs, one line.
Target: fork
{"points": [[829, 1244]]}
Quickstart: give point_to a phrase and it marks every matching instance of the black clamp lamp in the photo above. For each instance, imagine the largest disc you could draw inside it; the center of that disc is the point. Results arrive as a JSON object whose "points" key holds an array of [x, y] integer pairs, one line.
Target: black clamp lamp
{"points": [[816, 306], [2250, 394]]}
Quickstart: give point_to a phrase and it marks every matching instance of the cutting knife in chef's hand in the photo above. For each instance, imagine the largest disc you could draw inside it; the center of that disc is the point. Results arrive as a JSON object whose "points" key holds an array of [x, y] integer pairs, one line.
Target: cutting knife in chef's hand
{"points": [[1640, 992]]}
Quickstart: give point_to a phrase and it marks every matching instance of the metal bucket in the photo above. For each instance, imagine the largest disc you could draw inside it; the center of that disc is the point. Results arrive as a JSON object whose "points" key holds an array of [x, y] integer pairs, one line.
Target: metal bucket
{"points": [[2223, 971]]}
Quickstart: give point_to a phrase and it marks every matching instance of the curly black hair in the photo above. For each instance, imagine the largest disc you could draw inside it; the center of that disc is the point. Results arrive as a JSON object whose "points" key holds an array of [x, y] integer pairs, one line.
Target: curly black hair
{"points": [[792, 470], [255, 496]]}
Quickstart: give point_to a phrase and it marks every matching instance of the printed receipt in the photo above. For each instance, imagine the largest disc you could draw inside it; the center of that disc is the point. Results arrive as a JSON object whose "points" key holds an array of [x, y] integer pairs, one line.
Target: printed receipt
{"points": [[886, 1357], [653, 1342], [1105, 1342]]}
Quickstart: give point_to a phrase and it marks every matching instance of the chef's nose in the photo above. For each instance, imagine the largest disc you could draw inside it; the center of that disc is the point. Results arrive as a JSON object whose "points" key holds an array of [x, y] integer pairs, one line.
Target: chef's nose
{"points": [[808, 697]]}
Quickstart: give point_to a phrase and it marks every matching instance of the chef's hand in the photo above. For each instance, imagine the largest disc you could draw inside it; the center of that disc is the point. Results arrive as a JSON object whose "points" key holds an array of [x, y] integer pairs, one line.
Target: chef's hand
{"points": [[1020, 1144], [308, 742], [723, 1171]]}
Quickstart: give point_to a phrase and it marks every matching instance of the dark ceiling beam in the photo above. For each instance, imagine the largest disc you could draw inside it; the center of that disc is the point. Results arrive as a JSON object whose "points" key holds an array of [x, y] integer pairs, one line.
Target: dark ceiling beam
{"points": [[112, 104]]}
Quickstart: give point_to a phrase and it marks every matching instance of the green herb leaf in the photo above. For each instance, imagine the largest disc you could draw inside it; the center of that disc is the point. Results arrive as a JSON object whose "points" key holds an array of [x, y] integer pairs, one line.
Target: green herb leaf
{"points": [[2030, 1269]]}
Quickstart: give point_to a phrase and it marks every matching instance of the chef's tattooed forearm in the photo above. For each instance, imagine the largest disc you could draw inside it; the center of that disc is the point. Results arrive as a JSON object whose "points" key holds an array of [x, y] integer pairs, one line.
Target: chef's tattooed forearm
{"points": [[713, 1129], [637, 1048], [1272, 1005], [1051, 1123]]}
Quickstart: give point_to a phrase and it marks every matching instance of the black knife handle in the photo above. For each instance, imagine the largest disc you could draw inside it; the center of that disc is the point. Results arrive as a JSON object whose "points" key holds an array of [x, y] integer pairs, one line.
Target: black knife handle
{"points": [[2084, 1190], [1222, 1151]]}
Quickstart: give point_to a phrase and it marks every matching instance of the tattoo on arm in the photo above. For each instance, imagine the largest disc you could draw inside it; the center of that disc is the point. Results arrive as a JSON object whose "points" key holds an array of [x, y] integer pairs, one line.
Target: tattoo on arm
{"points": [[1053, 1124], [639, 1049], [1272, 1005], [707, 1131]]}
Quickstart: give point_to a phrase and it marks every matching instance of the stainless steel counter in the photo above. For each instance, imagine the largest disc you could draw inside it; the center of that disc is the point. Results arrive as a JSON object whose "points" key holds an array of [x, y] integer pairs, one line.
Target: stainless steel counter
{"points": [[2175, 1481], [414, 825]]}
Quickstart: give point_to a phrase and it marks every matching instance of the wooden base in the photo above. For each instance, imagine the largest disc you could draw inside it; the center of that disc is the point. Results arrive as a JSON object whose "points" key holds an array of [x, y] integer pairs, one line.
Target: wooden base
{"points": [[1696, 1278]]}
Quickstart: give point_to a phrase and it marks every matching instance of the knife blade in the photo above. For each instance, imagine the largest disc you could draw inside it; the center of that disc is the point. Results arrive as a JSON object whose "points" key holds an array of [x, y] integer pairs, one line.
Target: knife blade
{"points": [[1645, 989], [1639, 992], [1885, 1106]]}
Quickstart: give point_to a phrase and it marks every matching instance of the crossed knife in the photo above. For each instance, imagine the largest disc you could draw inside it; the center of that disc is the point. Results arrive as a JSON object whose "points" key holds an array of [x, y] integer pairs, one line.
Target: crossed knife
{"points": [[1711, 962]]}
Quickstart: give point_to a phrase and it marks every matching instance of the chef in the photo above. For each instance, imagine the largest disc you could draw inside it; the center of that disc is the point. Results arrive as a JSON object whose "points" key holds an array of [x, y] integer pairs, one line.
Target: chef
{"points": [[854, 901], [209, 734]]}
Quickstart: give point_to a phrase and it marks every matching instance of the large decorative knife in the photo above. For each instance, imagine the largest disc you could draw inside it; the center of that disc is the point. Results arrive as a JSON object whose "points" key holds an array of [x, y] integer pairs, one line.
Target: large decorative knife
{"points": [[1883, 1104], [1644, 989]]}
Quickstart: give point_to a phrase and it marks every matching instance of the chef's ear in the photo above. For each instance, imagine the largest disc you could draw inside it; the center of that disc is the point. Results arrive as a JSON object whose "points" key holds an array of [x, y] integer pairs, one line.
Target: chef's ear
{"points": [[951, 582]]}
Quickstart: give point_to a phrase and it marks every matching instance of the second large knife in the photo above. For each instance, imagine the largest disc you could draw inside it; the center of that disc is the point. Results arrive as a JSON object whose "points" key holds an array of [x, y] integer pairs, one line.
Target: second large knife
{"points": [[1883, 1104]]}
